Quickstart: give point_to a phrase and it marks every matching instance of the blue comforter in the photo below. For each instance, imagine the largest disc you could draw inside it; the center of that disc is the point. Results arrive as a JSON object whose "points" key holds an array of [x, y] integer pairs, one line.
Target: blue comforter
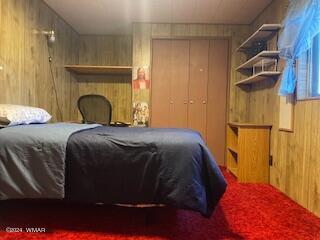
{"points": [[109, 165], [32, 160], [143, 166]]}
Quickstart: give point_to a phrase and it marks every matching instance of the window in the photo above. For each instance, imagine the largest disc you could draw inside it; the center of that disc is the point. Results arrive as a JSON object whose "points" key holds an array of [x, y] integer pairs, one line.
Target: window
{"points": [[315, 80], [308, 72]]}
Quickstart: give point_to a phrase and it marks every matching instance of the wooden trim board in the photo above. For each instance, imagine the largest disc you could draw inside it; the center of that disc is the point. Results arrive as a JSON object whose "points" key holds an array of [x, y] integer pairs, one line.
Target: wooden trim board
{"points": [[258, 77], [88, 69], [254, 125]]}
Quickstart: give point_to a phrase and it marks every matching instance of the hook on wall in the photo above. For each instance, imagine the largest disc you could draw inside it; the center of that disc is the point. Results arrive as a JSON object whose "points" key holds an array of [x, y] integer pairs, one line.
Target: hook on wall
{"points": [[51, 36]]}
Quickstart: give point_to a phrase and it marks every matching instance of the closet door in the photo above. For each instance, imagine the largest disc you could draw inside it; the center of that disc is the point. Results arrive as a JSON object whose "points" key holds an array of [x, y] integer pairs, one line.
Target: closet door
{"points": [[217, 98], [161, 82], [198, 72], [179, 84]]}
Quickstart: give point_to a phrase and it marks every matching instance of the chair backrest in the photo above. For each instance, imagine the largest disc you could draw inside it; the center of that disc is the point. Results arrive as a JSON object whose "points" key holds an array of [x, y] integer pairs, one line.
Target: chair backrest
{"points": [[95, 108]]}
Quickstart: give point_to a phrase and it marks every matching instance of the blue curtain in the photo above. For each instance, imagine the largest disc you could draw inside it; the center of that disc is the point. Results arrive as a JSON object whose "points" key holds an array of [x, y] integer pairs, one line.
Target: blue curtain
{"points": [[300, 26]]}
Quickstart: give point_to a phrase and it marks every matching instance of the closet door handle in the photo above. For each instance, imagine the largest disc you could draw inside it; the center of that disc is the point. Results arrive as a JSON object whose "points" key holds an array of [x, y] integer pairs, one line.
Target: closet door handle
{"points": [[185, 102], [191, 102], [204, 102], [171, 102]]}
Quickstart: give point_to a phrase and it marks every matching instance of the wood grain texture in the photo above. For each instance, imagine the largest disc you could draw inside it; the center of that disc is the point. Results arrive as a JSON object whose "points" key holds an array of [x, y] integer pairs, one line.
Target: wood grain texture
{"points": [[248, 150], [217, 98], [179, 83], [160, 99], [143, 33], [198, 84], [253, 155], [232, 149], [99, 70], [296, 162], [108, 50], [25, 78], [189, 88]]}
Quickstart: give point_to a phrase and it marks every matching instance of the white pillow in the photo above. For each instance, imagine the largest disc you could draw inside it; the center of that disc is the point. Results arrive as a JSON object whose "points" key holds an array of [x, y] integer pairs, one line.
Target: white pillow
{"points": [[17, 114]]}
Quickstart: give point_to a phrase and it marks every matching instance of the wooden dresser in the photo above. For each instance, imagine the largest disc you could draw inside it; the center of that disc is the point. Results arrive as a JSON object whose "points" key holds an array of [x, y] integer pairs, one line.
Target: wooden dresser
{"points": [[248, 152]]}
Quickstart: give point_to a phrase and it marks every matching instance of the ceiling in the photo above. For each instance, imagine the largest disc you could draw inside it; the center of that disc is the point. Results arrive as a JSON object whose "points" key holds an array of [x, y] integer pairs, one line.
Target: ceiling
{"points": [[116, 16]]}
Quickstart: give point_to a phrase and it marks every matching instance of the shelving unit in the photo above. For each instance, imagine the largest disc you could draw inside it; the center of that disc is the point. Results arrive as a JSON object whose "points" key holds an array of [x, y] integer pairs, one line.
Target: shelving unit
{"points": [[259, 57], [264, 33], [99, 70], [248, 151], [262, 60]]}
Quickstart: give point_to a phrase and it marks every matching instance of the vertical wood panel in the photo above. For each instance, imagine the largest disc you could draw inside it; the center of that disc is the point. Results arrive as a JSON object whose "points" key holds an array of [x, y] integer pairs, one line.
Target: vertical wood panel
{"points": [[198, 72], [161, 72], [253, 155], [179, 83], [143, 33], [296, 161], [217, 98], [11, 50], [141, 44], [26, 77], [108, 50]]}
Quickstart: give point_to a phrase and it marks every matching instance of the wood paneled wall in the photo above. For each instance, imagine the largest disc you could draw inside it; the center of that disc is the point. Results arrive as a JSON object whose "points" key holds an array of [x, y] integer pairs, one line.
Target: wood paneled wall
{"points": [[143, 34], [296, 156], [108, 50], [25, 78]]}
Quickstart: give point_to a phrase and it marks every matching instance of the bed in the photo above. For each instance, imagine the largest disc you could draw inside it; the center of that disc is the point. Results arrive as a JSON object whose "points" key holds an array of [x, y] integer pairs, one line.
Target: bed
{"points": [[92, 163]]}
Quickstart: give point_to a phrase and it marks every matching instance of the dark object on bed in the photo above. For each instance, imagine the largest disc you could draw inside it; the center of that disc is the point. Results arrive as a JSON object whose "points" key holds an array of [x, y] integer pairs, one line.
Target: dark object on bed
{"points": [[143, 166], [95, 109]]}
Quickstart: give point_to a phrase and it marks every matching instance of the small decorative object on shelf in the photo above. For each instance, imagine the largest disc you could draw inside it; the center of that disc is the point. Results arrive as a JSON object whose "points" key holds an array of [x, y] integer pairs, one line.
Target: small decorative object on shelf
{"points": [[265, 65], [247, 66], [256, 48], [262, 63]]}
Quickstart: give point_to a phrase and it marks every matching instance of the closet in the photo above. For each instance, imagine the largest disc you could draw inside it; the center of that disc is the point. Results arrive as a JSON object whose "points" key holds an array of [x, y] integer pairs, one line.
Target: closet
{"points": [[189, 88]]}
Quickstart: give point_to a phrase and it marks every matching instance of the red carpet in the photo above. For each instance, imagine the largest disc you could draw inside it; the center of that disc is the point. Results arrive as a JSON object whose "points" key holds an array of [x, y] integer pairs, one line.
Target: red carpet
{"points": [[247, 211]]}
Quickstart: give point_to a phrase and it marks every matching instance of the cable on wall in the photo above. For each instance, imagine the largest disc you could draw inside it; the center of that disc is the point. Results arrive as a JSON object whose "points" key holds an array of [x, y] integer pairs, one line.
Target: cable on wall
{"points": [[53, 81]]}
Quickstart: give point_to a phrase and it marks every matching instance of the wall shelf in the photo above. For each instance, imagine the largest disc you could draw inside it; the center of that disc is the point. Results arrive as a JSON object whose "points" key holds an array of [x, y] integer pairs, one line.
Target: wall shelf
{"points": [[264, 33], [248, 125], [260, 56], [233, 149], [258, 77], [99, 70], [263, 60]]}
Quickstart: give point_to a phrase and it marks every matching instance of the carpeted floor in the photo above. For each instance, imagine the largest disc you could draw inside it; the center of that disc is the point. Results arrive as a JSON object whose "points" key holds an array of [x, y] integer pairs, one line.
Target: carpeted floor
{"points": [[247, 211]]}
